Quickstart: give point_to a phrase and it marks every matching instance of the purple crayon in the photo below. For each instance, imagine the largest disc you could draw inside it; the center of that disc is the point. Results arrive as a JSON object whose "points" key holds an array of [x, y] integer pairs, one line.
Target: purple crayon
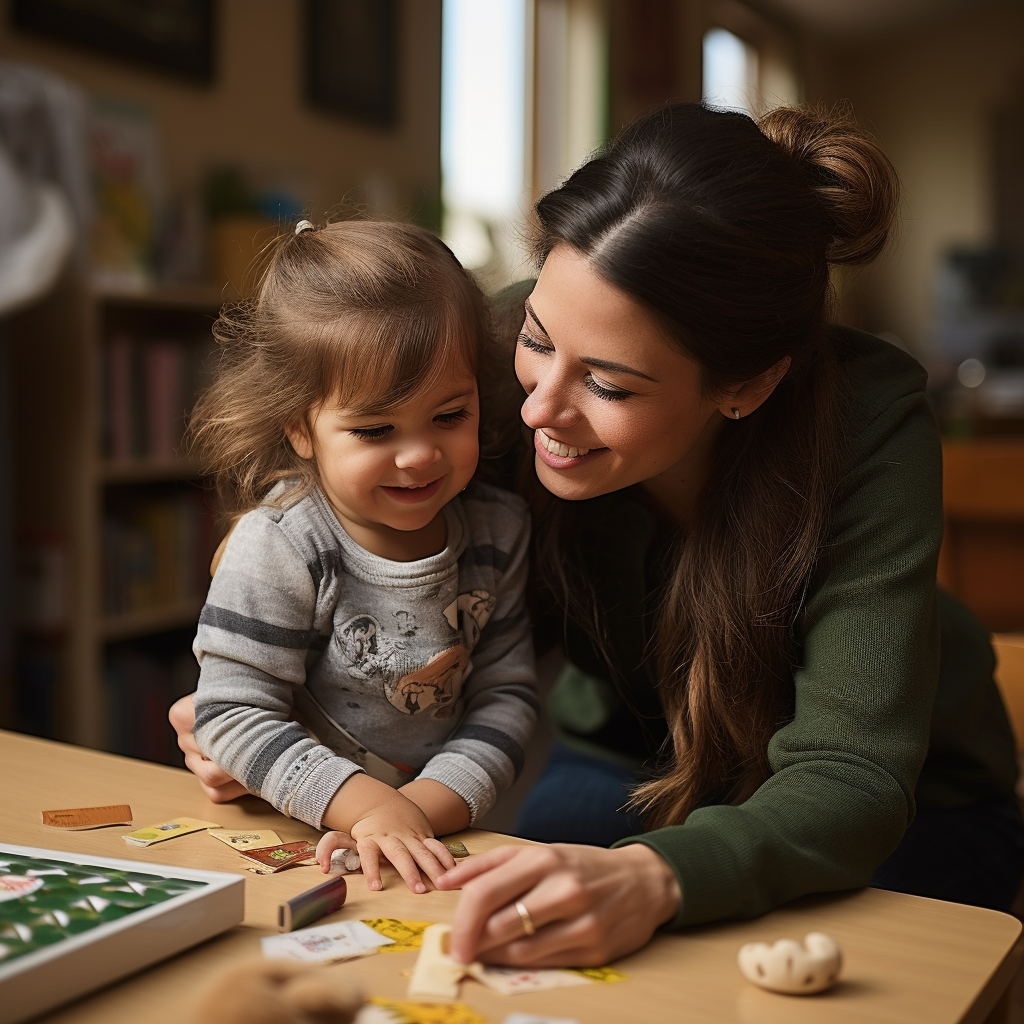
{"points": [[311, 905]]}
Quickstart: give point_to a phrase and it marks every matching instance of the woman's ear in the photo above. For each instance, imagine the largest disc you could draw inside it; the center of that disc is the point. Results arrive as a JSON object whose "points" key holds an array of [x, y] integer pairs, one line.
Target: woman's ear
{"points": [[298, 436], [750, 396]]}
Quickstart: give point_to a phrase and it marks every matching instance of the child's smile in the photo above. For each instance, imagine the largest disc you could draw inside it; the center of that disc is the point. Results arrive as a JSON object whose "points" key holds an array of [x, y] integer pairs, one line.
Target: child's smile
{"points": [[389, 473], [413, 493]]}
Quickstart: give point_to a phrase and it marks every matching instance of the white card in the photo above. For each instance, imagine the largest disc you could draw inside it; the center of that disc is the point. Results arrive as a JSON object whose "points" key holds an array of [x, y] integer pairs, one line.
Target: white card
{"points": [[512, 980], [529, 1018], [326, 942]]}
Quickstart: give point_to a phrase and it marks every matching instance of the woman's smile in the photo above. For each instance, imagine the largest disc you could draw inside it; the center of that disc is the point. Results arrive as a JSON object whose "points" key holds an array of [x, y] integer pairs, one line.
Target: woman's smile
{"points": [[559, 448], [599, 369]]}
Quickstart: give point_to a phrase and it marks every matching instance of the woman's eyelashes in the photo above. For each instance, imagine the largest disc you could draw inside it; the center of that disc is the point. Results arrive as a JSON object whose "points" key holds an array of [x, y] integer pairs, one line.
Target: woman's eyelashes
{"points": [[606, 391], [532, 344]]}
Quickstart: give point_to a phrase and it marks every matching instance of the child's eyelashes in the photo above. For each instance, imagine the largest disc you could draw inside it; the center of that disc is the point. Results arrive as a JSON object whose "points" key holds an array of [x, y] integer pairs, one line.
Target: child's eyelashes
{"points": [[444, 419], [451, 418], [372, 433]]}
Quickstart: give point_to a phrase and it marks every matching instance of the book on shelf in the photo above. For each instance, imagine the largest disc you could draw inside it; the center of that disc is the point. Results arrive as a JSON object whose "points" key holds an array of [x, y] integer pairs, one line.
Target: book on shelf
{"points": [[156, 552], [148, 385], [142, 680]]}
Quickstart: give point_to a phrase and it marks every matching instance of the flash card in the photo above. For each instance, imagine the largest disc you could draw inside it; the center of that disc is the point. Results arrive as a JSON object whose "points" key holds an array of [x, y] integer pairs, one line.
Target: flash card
{"points": [[239, 839], [327, 942], [274, 858], [89, 817], [167, 830], [512, 980]]}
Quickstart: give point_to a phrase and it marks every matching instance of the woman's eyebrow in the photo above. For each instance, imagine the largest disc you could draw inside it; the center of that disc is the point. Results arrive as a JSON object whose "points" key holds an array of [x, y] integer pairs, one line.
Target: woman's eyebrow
{"points": [[533, 316], [601, 364]]}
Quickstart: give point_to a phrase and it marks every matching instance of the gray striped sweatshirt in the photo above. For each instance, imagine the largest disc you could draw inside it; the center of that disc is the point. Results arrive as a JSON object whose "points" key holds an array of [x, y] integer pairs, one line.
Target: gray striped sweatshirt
{"points": [[426, 664]]}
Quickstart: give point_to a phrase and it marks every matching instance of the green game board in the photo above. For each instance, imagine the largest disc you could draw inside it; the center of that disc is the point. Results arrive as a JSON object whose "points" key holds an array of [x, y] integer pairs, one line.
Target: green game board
{"points": [[44, 901]]}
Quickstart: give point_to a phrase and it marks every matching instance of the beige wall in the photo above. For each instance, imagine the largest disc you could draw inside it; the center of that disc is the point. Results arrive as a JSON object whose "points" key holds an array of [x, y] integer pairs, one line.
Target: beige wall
{"points": [[929, 96], [254, 114]]}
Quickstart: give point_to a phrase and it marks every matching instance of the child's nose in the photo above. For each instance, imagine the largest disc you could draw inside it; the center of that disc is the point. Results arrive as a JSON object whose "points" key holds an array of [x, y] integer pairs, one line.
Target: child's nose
{"points": [[417, 456]]}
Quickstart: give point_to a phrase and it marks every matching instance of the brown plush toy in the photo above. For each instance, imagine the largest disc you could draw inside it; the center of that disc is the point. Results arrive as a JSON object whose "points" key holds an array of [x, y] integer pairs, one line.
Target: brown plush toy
{"points": [[277, 992]]}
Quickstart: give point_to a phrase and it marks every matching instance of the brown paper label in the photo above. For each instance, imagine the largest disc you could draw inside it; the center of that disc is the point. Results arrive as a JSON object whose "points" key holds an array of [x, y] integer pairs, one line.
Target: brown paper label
{"points": [[89, 817]]}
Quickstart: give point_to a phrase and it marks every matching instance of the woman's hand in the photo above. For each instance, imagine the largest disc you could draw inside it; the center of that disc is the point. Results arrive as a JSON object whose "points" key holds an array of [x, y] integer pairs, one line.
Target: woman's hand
{"points": [[383, 823], [588, 905], [218, 786]]}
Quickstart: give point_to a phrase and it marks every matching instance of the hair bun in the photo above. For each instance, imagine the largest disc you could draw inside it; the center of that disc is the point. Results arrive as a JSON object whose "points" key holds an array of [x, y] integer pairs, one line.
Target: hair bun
{"points": [[853, 178]]}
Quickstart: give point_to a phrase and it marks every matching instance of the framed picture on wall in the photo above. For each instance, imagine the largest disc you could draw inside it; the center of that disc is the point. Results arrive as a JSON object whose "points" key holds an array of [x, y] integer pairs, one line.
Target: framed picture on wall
{"points": [[174, 37], [352, 59]]}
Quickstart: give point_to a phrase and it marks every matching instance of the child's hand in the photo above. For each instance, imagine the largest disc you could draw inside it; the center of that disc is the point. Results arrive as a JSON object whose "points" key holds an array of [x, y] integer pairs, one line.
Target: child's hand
{"points": [[380, 822], [329, 844]]}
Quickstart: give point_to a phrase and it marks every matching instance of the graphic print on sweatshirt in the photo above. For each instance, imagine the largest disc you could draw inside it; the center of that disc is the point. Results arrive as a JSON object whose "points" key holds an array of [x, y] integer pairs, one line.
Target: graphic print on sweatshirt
{"points": [[389, 655]]}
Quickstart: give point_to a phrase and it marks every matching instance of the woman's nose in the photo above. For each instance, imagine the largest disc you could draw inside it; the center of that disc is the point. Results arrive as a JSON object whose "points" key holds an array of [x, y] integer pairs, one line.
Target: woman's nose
{"points": [[547, 403]]}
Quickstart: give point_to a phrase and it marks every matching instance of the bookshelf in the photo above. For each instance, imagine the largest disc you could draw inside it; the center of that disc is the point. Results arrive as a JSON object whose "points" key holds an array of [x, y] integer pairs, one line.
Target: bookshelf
{"points": [[113, 530]]}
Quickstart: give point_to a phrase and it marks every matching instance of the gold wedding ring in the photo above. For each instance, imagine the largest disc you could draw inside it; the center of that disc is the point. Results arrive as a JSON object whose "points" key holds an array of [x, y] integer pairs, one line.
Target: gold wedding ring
{"points": [[524, 916]]}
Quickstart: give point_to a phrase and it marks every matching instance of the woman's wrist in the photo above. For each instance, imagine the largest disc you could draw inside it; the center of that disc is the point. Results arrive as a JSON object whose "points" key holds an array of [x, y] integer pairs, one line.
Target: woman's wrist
{"points": [[663, 891]]}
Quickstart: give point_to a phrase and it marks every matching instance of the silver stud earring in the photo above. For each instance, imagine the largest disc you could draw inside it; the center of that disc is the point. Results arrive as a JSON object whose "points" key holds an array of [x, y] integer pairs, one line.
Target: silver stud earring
{"points": [[735, 413]]}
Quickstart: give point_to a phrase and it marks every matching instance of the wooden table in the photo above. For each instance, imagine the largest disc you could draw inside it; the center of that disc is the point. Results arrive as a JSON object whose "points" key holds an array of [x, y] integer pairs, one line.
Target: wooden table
{"points": [[906, 958]]}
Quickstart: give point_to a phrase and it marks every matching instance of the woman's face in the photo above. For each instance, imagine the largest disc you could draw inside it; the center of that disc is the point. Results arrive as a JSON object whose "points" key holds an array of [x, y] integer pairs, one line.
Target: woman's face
{"points": [[612, 402]]}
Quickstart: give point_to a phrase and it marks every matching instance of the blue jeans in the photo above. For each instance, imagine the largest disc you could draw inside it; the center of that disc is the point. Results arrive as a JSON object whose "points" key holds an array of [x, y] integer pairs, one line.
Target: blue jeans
{"points": [[971, 854], [579, 798]]}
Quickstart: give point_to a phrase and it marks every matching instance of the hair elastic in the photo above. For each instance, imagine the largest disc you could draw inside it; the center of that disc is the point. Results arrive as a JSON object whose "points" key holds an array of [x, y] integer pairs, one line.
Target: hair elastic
{"points": [[304, 225]]}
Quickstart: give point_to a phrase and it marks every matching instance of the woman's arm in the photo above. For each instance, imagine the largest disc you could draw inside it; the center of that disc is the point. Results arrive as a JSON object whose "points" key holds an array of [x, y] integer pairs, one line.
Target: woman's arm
{"points": [[218, 786], [845, 769], [587, 905]]}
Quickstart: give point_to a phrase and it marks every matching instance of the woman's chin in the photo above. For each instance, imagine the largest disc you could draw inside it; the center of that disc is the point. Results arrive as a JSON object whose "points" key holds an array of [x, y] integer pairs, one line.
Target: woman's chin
{"points": [[572, 484]]}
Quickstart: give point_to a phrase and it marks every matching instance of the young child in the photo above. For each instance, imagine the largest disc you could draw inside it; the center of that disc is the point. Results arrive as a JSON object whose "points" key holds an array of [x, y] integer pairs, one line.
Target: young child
{"points": [[371, 588]]}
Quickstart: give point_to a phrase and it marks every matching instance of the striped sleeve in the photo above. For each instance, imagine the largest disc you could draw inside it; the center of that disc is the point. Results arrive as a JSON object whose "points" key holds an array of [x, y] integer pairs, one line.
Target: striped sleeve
{"points": [[255, 632]]}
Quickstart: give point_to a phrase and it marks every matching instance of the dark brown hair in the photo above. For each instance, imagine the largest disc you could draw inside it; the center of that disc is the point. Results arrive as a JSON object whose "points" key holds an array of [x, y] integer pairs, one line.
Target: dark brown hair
{"points": [[725, 229], [365, 313]]}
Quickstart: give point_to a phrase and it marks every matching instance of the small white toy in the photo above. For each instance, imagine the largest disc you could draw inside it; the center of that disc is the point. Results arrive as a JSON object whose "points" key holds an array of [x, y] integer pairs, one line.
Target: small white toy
{"points": [[787, 966]]}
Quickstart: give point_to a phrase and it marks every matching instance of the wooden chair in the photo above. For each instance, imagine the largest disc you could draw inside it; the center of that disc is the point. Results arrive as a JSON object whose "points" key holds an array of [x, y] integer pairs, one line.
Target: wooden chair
{"points": [[982, 558], [1009, 648]]}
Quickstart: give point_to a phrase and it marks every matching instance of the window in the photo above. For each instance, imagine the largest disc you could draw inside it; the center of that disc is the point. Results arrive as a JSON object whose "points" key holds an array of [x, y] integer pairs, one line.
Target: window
{"points": [[730, 72]]}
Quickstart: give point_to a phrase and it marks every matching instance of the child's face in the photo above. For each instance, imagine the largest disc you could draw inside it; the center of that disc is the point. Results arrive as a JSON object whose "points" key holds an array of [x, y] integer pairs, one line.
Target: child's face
{"points": [[388, 474]]}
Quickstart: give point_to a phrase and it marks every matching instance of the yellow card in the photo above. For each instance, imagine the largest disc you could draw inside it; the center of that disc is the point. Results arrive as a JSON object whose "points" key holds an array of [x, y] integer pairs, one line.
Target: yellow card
{"points": [[428, 1013], [166, 830], [600, 973], [240, 839], [406, 935]]}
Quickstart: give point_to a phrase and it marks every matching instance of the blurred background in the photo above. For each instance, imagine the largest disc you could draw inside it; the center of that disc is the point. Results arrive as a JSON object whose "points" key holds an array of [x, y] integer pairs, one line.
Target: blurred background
{"points": [[148, 148]]}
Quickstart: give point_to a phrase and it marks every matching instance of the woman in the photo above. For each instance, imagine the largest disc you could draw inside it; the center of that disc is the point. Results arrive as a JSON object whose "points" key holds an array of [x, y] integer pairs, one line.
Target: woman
{"points": [[737, 534]]}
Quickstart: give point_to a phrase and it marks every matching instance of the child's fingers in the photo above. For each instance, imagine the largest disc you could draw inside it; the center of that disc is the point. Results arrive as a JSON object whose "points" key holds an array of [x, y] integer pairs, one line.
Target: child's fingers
{"points": [[427, 858], [441, 852], [399, 852], [369, 861], [330, 842]]}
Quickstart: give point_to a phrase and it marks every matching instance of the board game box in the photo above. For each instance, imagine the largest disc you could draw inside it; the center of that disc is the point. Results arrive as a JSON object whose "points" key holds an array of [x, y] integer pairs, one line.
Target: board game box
{"points": [[72, 923]]}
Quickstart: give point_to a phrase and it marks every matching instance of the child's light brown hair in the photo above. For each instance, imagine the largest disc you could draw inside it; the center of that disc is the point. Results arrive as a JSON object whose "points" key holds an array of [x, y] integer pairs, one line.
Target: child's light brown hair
{"points": [[367, 314]]}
